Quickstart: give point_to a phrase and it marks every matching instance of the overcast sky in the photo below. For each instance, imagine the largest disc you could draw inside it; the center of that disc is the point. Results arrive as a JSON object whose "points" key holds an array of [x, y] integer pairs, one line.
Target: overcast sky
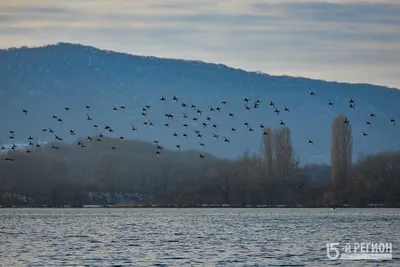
{"points": [[343, 40]]}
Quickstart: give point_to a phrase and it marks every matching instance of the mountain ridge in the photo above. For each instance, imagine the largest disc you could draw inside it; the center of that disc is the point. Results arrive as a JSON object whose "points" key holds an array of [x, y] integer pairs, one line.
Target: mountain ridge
{"points": [[47, 78], [192, 61]]}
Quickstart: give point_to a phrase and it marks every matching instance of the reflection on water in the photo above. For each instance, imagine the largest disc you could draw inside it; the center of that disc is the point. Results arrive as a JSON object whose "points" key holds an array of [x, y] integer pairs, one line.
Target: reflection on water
{"points": [[194, 237]]}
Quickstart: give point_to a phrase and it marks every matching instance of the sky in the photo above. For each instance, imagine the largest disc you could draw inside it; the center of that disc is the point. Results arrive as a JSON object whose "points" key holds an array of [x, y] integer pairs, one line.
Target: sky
{"points": [[355, 41]]}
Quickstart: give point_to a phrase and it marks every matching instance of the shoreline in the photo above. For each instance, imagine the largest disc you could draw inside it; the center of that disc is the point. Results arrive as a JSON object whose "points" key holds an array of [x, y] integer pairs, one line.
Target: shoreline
{"points": [[223, 206]]}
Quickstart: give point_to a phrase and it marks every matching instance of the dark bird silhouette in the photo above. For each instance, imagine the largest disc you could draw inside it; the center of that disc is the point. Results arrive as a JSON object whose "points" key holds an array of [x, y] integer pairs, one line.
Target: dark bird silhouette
{"points": [[121, 138], [144, 114], [156, 142], [175, 98], [55, 117], [44, 130], [233, 130], [184, 135], [251, 129], [214, 126], [271, 103], [226, 140], [163, 98], [200, 136], [231, 115], [89, 138], [51, 130], [28, 151], [393, 121], [183, 105], [158, 153], [123, 108], [364, 133], [262, 126], [281, 122], [211, 108], [247, 107], [25, 111], [193, 106], [113, 148], [310, 141], [115, 108], [178, 147], [346, 120], [204, 124], [202, 144], [218, 109], [55, 147], [201, 156], [88, 108], [2, 147], [265, 133], [60, 120], [96, 126], [331, 104], [368, 123], [30, 143], [208, 118], [199, 112], [101, 135], [175, 134], [277, 111], [195, 118], [351, 101], [9, 159], [37, 145], [312, 92], [106, 127], [351, 105], [151, 124], [88, 117], [246, 101], [66, 109], [246, 124], [72, 132], [224, 103], [30, 137], [286, 109], [185, 126], [185, 116], [215, 136], [146, 123], [372, 115]]}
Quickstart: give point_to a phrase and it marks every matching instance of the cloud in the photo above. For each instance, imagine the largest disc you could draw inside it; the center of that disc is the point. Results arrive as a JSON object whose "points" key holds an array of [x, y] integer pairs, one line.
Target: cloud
{"points": [[345, 40]]}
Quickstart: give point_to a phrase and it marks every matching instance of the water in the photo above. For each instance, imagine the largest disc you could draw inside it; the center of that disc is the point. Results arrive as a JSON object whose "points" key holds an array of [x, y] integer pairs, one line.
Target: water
{"points": [[192, 237]]}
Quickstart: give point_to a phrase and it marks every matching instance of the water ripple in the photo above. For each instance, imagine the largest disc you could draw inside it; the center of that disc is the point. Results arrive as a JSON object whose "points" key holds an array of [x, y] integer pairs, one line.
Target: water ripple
{"points": [[193, 237]]}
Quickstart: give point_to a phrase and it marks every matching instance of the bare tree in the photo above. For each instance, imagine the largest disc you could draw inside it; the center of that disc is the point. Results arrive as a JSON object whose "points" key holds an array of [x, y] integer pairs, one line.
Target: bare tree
{"points": [[341, 151], [285, 161], [265, 163]]}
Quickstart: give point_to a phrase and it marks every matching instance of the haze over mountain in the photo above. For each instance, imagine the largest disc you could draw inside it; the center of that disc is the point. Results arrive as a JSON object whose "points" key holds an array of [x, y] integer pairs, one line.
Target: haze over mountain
{"points": [[44, 80]]}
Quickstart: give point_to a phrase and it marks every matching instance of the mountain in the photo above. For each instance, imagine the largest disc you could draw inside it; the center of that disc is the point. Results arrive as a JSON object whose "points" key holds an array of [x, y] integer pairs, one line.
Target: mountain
{"points": [[46, 79]]}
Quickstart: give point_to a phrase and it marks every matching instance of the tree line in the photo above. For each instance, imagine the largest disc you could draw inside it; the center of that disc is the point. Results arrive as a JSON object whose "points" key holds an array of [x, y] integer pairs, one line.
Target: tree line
{"points": [[70, 174]]}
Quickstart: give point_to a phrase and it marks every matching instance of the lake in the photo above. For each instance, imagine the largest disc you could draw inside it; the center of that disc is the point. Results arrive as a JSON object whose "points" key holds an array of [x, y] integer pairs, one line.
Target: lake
{"points": [[190, 237]]}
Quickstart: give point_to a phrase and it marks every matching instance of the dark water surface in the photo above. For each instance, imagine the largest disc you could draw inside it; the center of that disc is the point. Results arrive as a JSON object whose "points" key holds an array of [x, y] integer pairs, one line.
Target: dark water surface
{"points": [[190, 237]]}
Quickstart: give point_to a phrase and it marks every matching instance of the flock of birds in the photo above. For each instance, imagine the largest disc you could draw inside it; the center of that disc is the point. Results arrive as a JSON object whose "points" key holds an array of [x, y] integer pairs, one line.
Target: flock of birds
{"points": [[206, 121]]}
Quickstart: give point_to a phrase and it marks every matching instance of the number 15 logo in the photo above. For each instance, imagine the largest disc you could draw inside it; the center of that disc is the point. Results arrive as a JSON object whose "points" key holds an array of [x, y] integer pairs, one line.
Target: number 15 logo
{"points": [[332, 247]]}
